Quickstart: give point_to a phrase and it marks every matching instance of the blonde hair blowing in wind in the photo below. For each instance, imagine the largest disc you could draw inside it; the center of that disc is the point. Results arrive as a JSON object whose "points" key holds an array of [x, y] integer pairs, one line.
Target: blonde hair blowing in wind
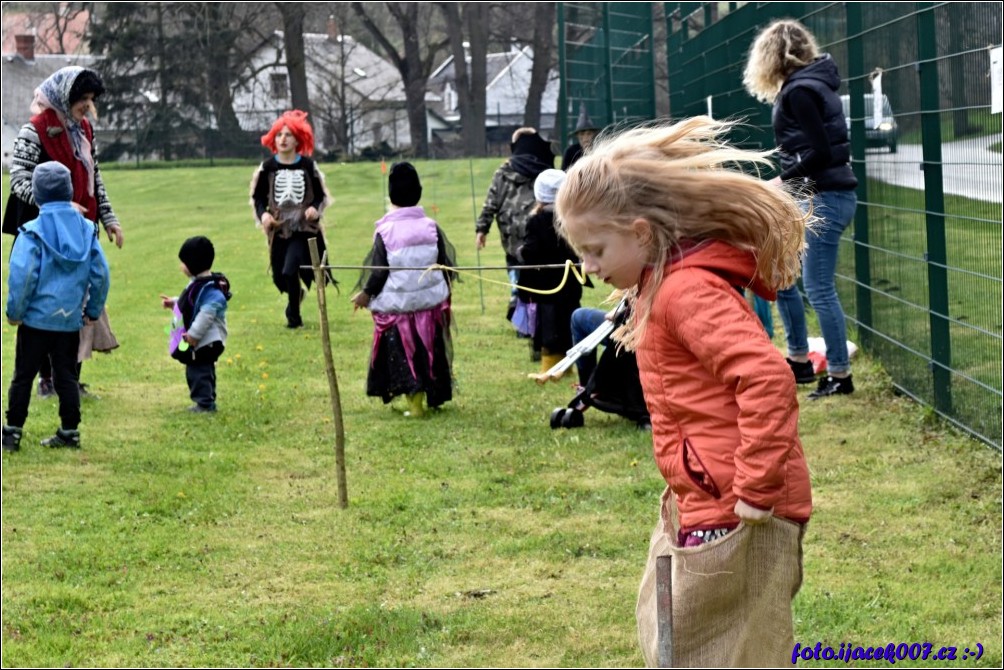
{"points": [[780, 49], [688, 183]]}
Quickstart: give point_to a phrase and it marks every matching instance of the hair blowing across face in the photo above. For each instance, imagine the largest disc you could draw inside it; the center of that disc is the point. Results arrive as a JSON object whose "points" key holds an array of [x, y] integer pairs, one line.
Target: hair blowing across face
{"points": [[687, 183], [780, 49]]}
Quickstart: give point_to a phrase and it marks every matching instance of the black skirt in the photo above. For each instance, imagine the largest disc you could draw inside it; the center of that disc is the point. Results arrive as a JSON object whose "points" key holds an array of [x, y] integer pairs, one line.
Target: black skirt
{"points": [[389, 375]]}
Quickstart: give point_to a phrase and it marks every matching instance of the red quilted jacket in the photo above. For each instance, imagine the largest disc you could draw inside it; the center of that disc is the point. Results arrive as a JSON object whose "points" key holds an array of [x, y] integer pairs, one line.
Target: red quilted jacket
{"points": [[721, 396]]}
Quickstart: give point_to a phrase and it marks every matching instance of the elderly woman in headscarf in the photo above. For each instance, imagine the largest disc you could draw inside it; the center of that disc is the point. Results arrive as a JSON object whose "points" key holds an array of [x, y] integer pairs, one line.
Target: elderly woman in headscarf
{"points": [[60, 131]]}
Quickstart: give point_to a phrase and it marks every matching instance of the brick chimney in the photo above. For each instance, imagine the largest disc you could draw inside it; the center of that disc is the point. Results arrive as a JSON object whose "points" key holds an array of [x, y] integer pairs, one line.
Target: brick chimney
{"points": [[333, 33], [25, 46]]}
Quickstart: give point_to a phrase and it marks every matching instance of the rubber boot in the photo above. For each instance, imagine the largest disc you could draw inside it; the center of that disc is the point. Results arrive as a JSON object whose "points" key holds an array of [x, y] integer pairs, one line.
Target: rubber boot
{"points": [[548, 361], [416, 407]]}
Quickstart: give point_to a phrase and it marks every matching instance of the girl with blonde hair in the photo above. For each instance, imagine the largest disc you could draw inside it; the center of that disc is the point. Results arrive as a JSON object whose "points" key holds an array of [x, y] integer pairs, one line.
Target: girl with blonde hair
{"points": [[668, 213], [786, 69]]}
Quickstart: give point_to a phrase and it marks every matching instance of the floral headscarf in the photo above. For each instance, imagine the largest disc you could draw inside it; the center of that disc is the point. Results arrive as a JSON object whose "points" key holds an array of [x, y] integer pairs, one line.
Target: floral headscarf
{"points": [[54, 94]]}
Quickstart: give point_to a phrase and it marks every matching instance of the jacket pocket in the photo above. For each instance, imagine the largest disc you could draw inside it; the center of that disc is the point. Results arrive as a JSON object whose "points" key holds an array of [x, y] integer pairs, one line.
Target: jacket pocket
{"points": [[697, 472]]}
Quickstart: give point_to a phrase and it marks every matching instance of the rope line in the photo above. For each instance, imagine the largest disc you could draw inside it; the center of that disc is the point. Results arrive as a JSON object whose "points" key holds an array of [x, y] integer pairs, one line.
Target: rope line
{"points": [[475, 271]]}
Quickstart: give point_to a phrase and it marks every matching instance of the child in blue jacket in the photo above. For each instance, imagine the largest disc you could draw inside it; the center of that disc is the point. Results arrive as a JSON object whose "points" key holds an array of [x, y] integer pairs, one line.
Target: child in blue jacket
{"points": [[203, 307], [56, 268]]}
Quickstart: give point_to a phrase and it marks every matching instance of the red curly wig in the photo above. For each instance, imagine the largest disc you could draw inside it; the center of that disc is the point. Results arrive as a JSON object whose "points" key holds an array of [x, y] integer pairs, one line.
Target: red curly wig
{"points": [[297, 123]]}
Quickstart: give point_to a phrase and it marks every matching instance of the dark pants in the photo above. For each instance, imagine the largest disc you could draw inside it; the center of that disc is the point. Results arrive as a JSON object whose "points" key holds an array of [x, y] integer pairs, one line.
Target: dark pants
{"points": [[34, 346], [45, 371], [201, 379], [289, 256]]}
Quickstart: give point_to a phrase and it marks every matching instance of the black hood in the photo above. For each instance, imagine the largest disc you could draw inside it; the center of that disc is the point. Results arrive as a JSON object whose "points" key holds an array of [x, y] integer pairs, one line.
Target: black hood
{"points": [[822, 69]]}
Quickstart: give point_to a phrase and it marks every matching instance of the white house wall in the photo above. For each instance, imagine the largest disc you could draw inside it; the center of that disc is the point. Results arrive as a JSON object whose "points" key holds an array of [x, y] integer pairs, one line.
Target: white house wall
{"points": [[374, 92]]}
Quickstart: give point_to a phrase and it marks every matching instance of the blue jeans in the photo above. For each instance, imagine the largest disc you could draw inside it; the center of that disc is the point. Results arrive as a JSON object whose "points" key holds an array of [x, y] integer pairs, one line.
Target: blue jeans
{"points": [[584, 321], [835, 210]]}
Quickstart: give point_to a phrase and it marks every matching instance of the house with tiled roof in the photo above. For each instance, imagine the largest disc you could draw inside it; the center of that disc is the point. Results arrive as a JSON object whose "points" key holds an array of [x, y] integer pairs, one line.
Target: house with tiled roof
{"points": [[508, 77], [357, 98]]}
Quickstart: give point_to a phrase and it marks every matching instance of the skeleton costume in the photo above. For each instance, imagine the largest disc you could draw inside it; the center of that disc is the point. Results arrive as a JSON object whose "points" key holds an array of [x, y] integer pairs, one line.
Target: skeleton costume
{"points": [[286, 191]]}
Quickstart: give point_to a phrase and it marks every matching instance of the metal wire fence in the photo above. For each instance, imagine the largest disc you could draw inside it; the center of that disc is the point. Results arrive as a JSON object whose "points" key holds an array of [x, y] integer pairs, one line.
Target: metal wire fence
{"points": [[920, 270], [606, 62]]}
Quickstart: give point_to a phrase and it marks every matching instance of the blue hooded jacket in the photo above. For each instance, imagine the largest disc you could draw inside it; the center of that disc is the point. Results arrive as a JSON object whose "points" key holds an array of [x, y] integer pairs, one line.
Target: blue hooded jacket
{"points": [[56, 264]]}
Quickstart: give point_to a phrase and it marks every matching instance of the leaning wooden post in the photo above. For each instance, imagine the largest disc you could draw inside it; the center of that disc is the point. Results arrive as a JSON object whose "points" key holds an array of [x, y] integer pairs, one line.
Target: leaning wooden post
{"points": [[329, 365], [664, 609]]}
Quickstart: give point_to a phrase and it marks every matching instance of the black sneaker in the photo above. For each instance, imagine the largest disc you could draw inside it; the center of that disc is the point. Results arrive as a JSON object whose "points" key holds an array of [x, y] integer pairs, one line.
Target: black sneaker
{"points": [[804, 372], [199, 409], [833, 386], [11, 438], [85, 392], [63, 438], [45, 387]]}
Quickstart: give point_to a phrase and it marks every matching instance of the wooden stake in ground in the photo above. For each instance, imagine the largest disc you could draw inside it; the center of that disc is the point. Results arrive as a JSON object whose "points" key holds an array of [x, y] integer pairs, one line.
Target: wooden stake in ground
{"points": [[329, 365], [664, 608]]}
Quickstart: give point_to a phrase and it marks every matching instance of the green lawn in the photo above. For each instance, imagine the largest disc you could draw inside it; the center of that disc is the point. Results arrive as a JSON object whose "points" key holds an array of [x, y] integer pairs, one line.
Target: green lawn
{"points": [[475, 537]]}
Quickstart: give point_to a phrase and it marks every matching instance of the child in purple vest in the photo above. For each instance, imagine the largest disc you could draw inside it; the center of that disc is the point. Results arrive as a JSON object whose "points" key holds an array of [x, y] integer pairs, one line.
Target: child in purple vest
{"points": [[412, 351]]}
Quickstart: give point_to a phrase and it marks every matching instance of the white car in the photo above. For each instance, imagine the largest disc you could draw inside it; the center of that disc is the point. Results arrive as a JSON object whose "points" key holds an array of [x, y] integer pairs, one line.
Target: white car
{"points": [[883, 134]]}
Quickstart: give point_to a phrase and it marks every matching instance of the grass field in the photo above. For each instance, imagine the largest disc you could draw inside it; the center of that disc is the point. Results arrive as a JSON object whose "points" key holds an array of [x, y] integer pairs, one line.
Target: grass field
{"points": [[474, 537]]}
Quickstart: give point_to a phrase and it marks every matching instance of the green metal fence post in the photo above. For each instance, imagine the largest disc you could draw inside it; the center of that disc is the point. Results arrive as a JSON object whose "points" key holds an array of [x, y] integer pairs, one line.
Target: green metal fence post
{"points": [[607, 65], [934, 204], [862, 252]]}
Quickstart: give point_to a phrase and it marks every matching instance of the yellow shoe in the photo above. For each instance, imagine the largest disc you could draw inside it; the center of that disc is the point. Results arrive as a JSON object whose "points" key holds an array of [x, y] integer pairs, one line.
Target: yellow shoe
{"points": [[416, 408], [548, 361]]}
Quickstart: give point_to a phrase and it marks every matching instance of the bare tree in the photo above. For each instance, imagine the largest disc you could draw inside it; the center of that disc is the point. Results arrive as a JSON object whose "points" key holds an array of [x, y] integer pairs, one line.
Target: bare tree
{"points": [[171, 69], [413, 21], [543, 55], [55, 24], [509, 25], [661, 64], [471, 78], [293, 14]]}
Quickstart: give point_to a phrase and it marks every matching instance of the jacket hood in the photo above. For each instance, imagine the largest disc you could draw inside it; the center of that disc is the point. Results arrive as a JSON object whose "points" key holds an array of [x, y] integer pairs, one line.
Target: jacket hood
{"points": [[822, 69], [736, 266], [62, 230]]}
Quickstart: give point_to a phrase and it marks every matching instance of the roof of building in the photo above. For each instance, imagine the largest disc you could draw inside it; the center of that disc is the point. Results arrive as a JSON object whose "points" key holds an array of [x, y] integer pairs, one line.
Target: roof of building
{"points": [[46, 31], [365, 71]]}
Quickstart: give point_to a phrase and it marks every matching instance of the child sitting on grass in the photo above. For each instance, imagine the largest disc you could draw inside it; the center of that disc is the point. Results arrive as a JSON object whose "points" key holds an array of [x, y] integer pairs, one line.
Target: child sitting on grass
{"points": [[56, 267], [203, 307]]}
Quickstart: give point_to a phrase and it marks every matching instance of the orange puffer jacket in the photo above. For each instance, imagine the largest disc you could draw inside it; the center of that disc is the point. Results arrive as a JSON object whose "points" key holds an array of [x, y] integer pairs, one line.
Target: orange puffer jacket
{"points": [[721, 396]]}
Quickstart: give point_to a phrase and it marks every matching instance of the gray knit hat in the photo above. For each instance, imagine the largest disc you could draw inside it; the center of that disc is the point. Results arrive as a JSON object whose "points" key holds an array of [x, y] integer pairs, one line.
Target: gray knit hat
{"points": [[51, 182], [545, 189]]}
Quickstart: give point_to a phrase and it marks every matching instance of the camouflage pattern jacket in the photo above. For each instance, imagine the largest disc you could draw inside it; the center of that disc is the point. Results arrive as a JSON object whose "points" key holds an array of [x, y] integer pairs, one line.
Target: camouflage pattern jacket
{"points": [[509, 201]]}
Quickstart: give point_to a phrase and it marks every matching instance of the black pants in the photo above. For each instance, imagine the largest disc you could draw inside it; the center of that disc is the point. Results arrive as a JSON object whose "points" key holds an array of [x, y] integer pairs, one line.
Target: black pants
{"points": [[35, 346], [200, 373], [202, 384]]}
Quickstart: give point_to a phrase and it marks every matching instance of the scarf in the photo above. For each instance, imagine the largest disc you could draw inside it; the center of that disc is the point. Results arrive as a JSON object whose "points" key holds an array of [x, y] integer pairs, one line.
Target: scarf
{"points": [[54, 94]]}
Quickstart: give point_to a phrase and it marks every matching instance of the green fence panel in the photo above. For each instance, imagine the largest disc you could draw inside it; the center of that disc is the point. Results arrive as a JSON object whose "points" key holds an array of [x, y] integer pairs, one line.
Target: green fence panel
{"points": [[606, 59]]}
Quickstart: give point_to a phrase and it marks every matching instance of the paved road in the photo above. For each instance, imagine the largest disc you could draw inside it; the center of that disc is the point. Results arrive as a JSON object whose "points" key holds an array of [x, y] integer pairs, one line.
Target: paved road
{"points": [[969, 168]]}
